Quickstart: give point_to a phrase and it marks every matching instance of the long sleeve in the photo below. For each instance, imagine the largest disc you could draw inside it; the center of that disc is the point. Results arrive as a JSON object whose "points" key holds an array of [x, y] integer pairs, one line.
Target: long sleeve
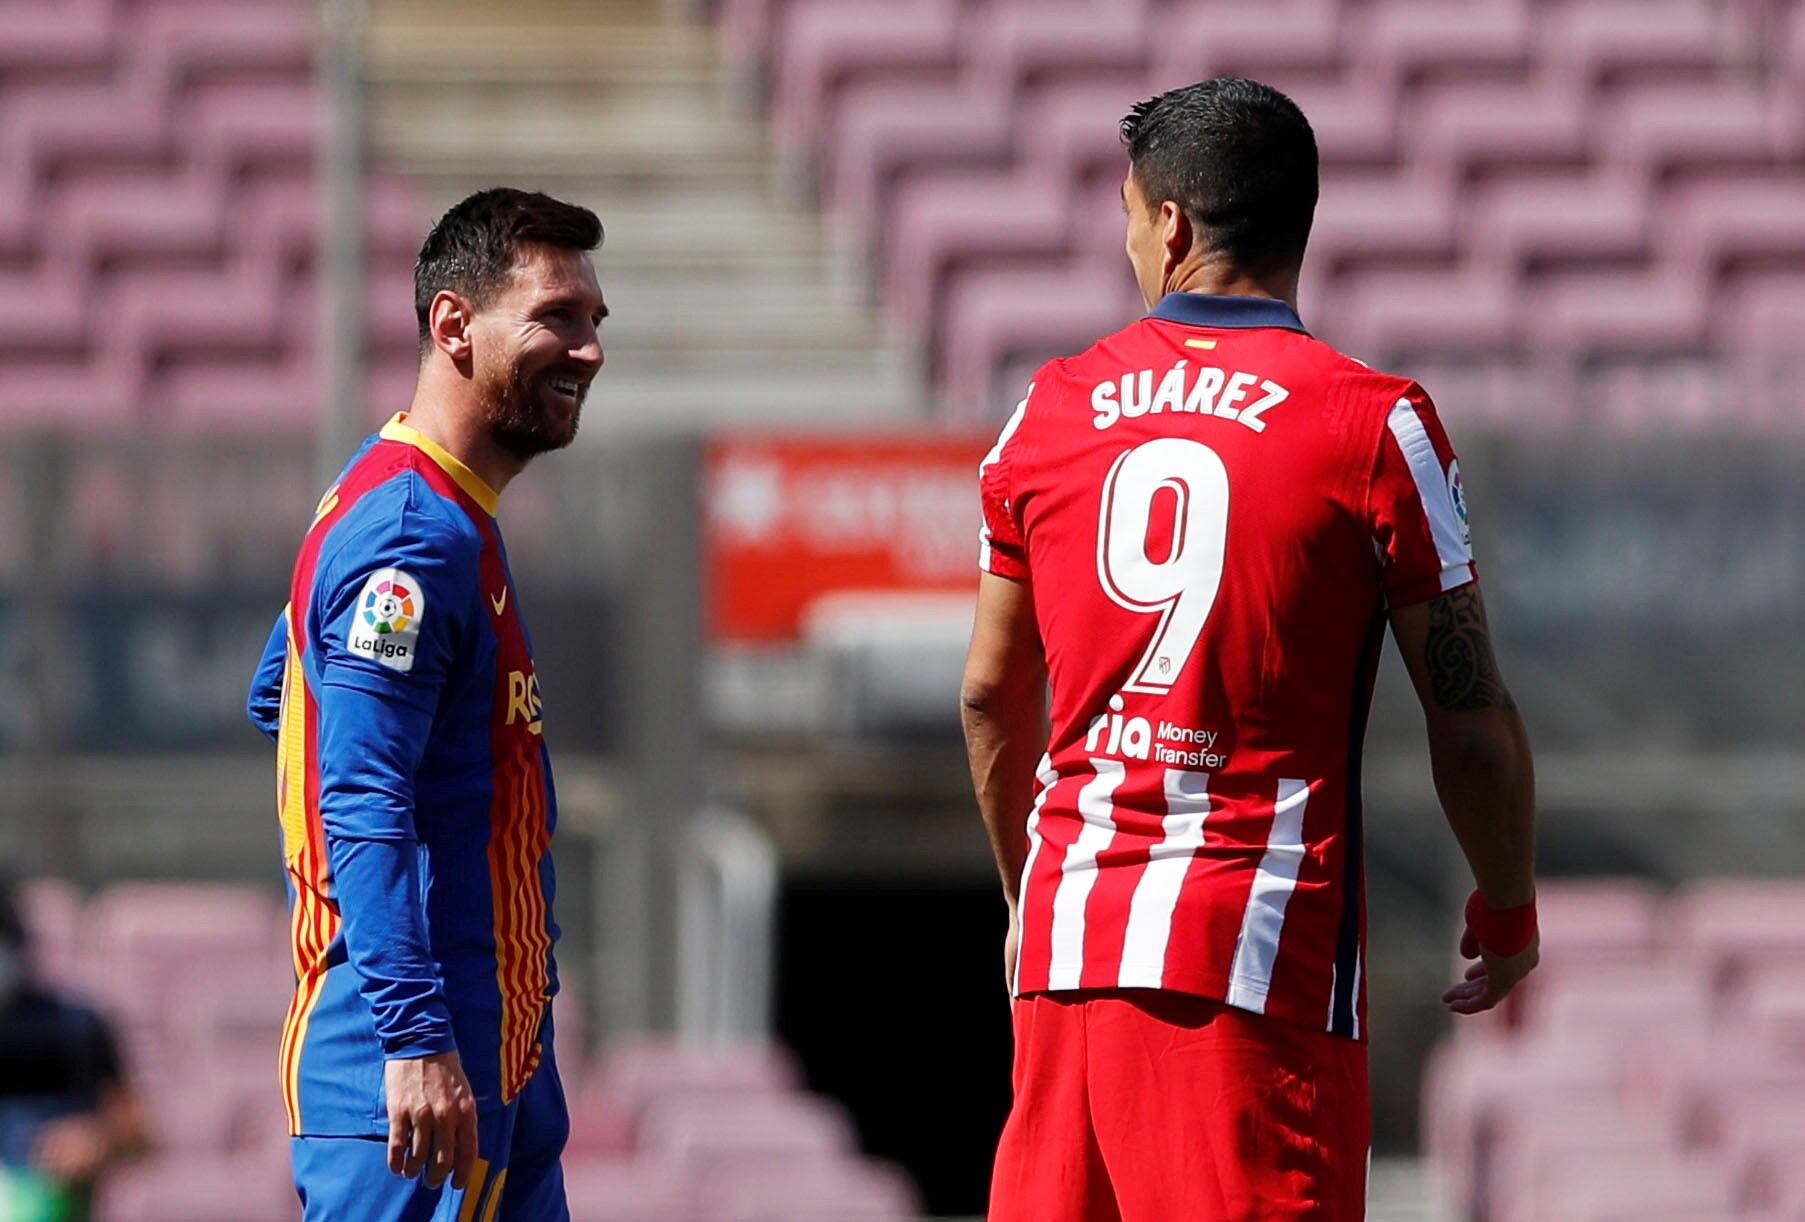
{"points": [[392, 609], [264, 705]]}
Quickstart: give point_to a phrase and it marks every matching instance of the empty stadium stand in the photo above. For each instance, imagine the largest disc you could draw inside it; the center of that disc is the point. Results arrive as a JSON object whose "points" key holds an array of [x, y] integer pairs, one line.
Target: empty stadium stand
{"points": [[1506, 181], [1653, 1068], [158, 216], [196, 977]]}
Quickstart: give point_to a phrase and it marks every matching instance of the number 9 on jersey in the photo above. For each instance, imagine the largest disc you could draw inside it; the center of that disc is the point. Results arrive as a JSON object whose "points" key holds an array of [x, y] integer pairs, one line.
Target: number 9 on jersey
{"points": [[1187, 481]]}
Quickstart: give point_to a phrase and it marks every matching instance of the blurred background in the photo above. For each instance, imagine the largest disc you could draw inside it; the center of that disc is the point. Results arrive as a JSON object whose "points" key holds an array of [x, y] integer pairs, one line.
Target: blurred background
{"points": [[840, 234]]}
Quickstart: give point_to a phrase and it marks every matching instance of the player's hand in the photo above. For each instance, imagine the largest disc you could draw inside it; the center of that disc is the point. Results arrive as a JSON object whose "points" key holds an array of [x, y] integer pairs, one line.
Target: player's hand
{"points": [[72, 1150], [1012, 942], [432, 1119], [1490, 980]]}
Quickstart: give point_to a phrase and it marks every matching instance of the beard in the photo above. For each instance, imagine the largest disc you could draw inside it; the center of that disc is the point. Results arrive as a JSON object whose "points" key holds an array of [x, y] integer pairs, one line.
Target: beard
{"points": [[525, 416]]}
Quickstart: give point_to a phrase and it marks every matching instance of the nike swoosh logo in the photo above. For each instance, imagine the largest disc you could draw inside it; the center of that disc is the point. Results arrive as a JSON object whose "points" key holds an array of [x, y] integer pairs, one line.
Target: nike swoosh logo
{"points": [[499, 601]]}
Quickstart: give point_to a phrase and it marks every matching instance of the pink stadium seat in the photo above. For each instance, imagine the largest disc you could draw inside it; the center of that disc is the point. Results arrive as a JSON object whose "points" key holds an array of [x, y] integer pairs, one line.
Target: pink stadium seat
{"points": [[1535, 220], [231, 126], [1399, 39], [1017, 43], [1471, 1086], [636, 1075], [1355, 121], [943, 224], [142, 917], [884, 130], [1590, 38], [1716, 123], [55, 38], [1764, 315], [40, 312], [1529, 1142], [1468, 124], [248, 40], [792, 1190], [183, 1189], [1384, 310], [1758, 219], [1192, 40], [57, 124], [825, 45], [1600, 919], [105, 216], [994, 315], [628, 1190], [1735, 923], [1074, 133], [1373, 217], [1617, 311], [1654, 998], [699, 1131], [1579, 1187]]}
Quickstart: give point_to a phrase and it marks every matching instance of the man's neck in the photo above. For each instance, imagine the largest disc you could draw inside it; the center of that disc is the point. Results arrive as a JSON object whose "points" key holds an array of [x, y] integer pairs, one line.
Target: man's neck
{"points": [[1221, 280], [446, 417]]}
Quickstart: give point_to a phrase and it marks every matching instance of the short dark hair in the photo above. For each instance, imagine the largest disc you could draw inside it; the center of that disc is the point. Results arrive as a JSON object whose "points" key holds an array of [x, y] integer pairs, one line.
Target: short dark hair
{"points": [[473, 248], [1239, 157]]}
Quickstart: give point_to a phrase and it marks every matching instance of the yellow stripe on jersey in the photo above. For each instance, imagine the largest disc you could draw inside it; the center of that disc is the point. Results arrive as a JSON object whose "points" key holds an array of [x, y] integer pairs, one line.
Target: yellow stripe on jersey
{"points": [[473, 1192]]}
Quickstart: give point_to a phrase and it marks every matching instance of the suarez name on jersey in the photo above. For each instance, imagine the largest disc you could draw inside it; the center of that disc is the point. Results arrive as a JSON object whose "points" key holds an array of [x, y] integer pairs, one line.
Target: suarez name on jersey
{"points": [[414, 791], [1214, 510]]}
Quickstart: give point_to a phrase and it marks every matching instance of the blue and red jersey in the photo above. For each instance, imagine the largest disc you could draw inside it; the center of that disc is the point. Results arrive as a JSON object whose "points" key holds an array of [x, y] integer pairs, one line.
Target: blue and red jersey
{"points": [[414, 791]]}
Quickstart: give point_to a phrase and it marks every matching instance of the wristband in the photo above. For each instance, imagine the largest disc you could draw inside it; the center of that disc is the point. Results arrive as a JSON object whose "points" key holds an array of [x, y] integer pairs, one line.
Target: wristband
{"points": [[1502, 931]]}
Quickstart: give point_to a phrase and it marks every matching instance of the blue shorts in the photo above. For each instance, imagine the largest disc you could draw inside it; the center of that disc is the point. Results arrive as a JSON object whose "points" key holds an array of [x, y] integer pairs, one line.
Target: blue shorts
{"points": [[517, 1177]]}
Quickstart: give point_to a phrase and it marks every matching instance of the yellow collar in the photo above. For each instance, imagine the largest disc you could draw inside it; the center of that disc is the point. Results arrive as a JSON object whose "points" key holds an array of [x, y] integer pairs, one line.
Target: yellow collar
{"points": [[468, 480]]}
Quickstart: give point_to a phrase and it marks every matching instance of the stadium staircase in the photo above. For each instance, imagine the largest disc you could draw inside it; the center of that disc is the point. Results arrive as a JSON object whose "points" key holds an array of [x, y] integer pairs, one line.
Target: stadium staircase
{"points": [[728, 305]]}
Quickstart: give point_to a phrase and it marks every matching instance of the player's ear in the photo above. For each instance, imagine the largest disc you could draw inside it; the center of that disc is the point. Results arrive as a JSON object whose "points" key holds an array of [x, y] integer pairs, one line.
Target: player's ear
{"points": [[1175, 233], [448, 322]]}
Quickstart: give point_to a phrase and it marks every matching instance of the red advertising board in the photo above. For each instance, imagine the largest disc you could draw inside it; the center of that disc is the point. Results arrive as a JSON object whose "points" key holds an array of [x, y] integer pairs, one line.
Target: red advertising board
{"points": [[787, 520]]}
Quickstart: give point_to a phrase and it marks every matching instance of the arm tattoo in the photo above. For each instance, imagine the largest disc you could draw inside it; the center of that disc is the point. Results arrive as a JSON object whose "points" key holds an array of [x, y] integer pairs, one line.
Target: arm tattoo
{"points": [[1463, 674]]}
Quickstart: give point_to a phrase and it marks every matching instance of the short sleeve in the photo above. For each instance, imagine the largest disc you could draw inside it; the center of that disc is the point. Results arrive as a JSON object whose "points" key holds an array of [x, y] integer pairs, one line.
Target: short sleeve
{"points": [[1002, 549], [1417, 505]]}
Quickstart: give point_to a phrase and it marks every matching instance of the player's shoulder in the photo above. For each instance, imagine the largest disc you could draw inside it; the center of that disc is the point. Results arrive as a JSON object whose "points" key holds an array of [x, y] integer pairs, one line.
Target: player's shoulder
{"points": [[1359, 386], [397, 513]]}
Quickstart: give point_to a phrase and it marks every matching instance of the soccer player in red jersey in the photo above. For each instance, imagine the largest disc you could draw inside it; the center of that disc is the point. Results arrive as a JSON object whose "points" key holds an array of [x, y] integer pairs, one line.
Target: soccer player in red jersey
{"points": [[1198, 530]]}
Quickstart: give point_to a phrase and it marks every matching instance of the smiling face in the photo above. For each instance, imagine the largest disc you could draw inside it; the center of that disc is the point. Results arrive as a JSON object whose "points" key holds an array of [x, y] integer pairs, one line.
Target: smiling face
{"points": [[535, 349]]}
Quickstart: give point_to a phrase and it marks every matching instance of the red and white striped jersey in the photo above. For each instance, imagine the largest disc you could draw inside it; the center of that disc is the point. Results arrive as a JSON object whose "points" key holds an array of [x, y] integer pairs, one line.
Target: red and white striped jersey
{"points": [[1214, 510]]}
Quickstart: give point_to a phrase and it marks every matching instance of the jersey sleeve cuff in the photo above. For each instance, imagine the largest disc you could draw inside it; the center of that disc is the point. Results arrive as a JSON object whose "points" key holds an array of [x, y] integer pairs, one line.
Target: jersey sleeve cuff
{"points": [[427, 1039], [1422, 590]]}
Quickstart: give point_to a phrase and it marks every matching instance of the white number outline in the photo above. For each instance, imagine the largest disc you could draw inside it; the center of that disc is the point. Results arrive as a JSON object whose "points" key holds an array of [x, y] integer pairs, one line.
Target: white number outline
{"points": [[1199, 479]]}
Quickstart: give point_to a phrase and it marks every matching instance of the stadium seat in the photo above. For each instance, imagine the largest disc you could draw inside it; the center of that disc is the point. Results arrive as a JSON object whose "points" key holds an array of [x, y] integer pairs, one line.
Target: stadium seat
{"points": [[1398, 40], [1598, 38], [1020, 44], [1192, 41], [182, 1189], [1730, 123], [700, 1131], [995, 315], [1466, 125], [826, 45], [886, 129], [942, 223], [1523, 221], [628, 1190], [807, 1190], [1735, 923], [635, 1075]]}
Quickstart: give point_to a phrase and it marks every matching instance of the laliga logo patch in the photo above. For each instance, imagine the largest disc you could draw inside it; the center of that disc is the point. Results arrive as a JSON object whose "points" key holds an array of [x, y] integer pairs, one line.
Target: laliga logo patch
{"points": [[386, 625], [1458, 494]]}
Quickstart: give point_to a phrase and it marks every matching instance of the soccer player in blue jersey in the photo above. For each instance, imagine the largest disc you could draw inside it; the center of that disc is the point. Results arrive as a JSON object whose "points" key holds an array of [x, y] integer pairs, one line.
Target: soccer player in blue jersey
{"points": [[414, 789]]}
